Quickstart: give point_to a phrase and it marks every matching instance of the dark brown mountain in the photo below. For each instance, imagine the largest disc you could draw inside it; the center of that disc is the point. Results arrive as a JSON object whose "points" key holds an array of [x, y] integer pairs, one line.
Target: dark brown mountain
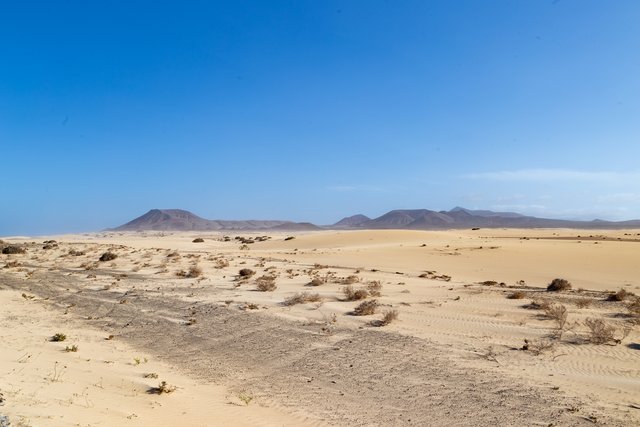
{"points": [[181, 220], [351, 221]]}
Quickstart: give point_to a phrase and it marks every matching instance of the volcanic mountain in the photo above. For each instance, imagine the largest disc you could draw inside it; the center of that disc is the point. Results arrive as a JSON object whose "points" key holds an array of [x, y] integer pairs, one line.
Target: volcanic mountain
{"points": [[456, 218], [181, 220]]}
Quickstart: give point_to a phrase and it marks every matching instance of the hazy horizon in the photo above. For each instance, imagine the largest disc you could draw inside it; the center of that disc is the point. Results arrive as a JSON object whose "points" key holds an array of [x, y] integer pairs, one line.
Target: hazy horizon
{"points": [[313, 111]]}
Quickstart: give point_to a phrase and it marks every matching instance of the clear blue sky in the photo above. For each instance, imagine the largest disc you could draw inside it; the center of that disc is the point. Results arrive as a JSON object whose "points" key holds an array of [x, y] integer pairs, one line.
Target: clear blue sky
{"points": [[314, 110]]}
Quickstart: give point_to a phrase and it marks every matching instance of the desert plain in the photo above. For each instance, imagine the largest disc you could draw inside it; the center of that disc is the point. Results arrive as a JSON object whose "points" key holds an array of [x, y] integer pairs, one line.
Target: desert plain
{"points": [[327, 328]]}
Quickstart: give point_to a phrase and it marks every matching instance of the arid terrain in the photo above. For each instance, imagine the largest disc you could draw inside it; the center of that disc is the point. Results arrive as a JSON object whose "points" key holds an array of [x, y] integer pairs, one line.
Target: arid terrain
{"points": [[321, 328]]}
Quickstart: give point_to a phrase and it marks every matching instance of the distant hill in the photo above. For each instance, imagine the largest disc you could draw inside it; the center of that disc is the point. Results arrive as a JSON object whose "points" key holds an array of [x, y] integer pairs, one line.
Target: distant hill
{"points": [[181, 220], [351, 221], [403, 219], [456, 218]]}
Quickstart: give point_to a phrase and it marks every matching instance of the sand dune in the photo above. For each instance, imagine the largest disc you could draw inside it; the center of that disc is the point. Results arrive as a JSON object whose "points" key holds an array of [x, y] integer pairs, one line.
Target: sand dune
{"points": [[454, 356]]}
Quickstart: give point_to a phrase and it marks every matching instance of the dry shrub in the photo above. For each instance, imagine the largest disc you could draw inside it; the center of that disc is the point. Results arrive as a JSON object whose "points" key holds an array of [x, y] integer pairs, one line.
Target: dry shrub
{"points": [[352, 294], [12, 264], [350, 280], [266, 283], [558, 285], [173, 254], [198, 240], [316, 282], [221, 263], [387, 317], [245, 273], [301, 298], [375, 288], [538, 347], [583, 302], [599, 331], [634, 308], [163, 388], [13, 250], [516, 295], [621, 295], [108, 256], [538, 304], [557, 313], [192, 273], [366, 308], [73, 252]]}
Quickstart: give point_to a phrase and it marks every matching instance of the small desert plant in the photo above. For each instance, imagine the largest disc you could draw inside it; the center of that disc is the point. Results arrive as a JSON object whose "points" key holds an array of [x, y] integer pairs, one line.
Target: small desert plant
{"points": [[538, 304], [583, 302], [316, 282], [289, 238], [557, 313], [516, 295], [387, 317], [621, 295], [245, 398], [163, 388], [245, 273], [13, 250], [108, 256], [266, 283], [59, 337], [350, 280], [634, 309], [366, 308], [374, 288], [599, 331], [192, 273], [151, 375], [198, 240], [352, 294], [558, 285], [301, 298], [73, 348]]}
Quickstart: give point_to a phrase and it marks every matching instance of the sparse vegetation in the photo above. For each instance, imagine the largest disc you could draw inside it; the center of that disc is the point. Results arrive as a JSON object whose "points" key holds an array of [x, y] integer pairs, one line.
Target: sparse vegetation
{"points": [[198, 240], [108, 256], [13, 250], [366, 308], [162, 388], [352, 294], [301, 298], [387, 317], [621, 295], [266, 283], [599, 331], [246, 273], [557, 313], [59, 337], [316, 281], [516, 295], [151, 375], [193, 272], [374, 288], [558, 285], [289, 238], [73, 348]]}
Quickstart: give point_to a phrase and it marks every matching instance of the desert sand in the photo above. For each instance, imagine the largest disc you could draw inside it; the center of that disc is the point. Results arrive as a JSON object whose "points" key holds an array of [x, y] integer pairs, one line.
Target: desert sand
{"points": [[169, 309]]}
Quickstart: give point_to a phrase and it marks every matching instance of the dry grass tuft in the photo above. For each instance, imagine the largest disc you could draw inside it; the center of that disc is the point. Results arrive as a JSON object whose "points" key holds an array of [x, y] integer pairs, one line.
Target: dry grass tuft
{"points": [[366, 308], [301, 298], [599, 331], [621, 295], [558, 285], [193, 272], [245, 273], [374, 288], [557, 313], [583, 302], [352, 294], [163, 388], [266, 283], [59, 337], [516, 295], [387, 317]]}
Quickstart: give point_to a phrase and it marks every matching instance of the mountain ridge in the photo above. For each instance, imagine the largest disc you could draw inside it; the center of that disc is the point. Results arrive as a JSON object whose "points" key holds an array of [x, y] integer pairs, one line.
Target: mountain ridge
{"points": [[402, 219]]}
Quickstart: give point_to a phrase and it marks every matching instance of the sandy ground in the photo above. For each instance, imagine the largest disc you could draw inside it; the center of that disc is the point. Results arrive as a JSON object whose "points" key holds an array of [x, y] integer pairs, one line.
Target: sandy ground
{"points": [[239, 356]]}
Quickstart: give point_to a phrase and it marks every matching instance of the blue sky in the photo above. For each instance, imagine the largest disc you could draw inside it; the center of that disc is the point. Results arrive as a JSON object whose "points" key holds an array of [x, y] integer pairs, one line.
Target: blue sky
{"points": [[314, 110]]}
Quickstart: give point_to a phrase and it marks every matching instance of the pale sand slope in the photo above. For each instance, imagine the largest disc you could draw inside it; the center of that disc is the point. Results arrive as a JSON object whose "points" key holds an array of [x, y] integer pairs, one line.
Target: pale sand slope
{"points": [[103, 383], [457, 331]]}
